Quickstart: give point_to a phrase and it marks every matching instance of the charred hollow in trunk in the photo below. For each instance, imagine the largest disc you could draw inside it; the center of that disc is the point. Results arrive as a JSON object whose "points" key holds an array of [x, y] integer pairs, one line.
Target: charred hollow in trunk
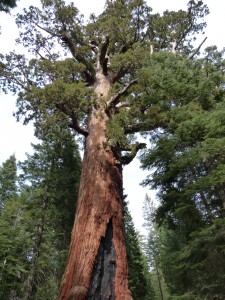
{"points": [[103, 274]]}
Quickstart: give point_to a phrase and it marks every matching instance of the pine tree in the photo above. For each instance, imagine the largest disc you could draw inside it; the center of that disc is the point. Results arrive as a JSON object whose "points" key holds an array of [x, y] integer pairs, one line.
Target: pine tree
{"points": [[13, 232], [152, 248], [53, 172], [138, 273], [8, 179], [37, 219], [103, 92]]}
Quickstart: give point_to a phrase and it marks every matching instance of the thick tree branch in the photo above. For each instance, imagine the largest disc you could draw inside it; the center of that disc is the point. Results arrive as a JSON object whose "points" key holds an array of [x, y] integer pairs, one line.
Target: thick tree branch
{"points": [[68, 41], [115, 99], [125, 104], [74, 121], [72, 45], [126, 159], [120, 73], [75, 125]]}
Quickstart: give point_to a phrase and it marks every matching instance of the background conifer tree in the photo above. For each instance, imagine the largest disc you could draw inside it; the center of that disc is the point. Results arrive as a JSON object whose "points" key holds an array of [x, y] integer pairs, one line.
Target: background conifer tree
{"points": [[138, 270], [187, 158], [37, 218]]}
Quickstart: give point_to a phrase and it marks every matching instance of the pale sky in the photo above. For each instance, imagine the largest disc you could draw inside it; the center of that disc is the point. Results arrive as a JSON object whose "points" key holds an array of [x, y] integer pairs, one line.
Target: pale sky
{"points": [[16, 138]]}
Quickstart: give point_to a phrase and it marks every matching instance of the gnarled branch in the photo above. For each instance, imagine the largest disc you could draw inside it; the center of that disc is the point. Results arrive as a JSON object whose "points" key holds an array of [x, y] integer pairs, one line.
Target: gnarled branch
{"points": [[74, 121], [126, 159]]}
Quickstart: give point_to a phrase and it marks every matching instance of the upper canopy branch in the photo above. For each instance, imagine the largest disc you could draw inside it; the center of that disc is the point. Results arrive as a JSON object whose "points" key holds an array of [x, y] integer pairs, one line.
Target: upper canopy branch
{"points": [[74, 121], [115, 99], [188, 29], [46, 30], [72, 46]]}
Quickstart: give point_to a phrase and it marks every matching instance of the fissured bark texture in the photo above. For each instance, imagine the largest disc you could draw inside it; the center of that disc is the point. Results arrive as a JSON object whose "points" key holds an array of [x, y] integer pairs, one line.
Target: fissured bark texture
{"points": [[97, 264]]}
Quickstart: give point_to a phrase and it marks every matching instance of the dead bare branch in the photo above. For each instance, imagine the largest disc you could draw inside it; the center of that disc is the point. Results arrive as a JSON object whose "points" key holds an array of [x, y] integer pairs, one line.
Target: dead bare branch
{"points": [[196, 51]]}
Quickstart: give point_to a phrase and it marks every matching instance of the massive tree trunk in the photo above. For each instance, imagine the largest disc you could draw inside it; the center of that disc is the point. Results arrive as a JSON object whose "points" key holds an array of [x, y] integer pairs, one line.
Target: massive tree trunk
{"points": [[97, 265]]}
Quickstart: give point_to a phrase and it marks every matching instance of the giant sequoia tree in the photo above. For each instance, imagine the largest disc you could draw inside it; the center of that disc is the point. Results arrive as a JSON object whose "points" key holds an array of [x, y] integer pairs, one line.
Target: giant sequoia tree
{"points": [[100, 88]]}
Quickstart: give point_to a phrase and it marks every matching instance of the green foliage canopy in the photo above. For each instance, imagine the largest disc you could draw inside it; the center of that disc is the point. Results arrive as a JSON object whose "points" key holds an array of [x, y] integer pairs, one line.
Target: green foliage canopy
{"points": [[6, 5], [52, 86]]}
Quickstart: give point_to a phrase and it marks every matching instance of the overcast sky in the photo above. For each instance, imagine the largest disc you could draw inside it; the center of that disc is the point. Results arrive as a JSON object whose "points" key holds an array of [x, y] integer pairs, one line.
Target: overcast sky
{"points": [[16, 138]]}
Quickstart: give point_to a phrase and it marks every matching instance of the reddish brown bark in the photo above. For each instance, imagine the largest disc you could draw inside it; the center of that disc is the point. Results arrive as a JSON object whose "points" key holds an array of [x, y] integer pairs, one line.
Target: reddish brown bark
{"points": [[99, 221]]}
